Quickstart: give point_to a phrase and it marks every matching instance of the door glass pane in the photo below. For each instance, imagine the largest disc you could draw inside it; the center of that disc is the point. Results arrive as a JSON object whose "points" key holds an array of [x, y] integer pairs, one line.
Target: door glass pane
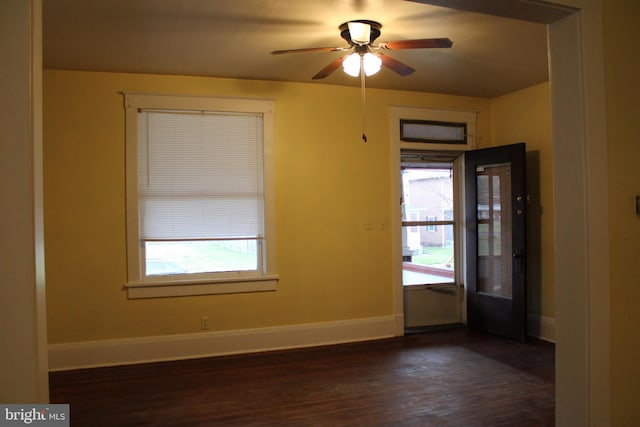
{"points": [[428, 225], [427, 193], [433, 259], [494, 230]]}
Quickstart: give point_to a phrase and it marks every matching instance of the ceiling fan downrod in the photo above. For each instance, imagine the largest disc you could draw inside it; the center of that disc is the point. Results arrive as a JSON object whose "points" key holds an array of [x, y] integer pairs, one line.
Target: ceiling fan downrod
{"points": [[364, 104]]}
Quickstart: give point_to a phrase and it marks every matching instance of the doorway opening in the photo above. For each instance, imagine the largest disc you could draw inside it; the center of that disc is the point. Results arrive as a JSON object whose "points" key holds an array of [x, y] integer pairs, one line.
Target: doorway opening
{"points": [[427, 155], [430, 209]]}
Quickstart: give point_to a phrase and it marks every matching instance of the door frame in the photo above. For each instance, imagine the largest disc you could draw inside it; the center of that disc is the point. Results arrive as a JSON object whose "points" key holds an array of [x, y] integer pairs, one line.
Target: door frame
{"points": [[449, 115], [580, 181]]}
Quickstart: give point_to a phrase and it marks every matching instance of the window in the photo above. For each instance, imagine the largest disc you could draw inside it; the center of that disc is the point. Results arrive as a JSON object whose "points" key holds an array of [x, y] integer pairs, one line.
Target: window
{"points": [[435, 132], [432, 228], [199, 196]]}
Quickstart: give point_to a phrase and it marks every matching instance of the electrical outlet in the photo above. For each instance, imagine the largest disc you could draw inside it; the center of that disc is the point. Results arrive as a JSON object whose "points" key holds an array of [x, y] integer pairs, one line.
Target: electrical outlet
{"points": [[204, 323]]}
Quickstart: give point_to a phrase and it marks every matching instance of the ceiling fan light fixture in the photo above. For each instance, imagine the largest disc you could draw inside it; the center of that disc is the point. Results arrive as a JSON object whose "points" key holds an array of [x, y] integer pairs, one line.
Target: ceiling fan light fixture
{"points": [[371, 63], [360, 32], [351, 65]]}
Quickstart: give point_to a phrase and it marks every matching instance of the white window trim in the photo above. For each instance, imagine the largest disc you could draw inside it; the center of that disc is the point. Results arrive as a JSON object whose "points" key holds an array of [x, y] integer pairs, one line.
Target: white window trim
{"points": [[262, 281]]}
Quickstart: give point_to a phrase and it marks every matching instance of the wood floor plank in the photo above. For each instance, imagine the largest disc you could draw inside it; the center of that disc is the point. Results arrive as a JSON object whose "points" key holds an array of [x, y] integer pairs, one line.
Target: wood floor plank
{"points": [[447, 378]]}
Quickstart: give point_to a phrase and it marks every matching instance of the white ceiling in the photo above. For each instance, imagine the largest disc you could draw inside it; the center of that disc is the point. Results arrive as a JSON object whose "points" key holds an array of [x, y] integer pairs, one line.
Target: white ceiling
{"points": [[490, 56]]}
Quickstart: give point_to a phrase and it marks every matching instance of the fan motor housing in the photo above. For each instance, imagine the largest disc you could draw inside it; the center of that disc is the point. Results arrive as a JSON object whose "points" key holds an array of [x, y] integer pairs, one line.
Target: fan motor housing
{"points": [[375, 30]]}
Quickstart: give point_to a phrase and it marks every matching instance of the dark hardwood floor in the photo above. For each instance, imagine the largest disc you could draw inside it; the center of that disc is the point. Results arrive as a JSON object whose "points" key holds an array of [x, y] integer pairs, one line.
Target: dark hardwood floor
{"points": [[455, 377]]}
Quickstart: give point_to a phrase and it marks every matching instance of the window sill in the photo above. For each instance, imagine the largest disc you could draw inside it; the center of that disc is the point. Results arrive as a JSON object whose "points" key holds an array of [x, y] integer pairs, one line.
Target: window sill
{"points": [[209, 287]]}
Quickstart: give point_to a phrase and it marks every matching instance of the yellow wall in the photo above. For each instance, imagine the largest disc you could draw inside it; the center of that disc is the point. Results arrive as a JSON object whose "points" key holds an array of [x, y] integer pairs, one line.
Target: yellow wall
{"points": [[328, 183], [622, 70], [525, 116]]}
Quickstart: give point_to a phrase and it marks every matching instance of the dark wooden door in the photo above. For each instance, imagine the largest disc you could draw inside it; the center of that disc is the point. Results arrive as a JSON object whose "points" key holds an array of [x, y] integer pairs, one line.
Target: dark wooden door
{"points": [[495, 205]]}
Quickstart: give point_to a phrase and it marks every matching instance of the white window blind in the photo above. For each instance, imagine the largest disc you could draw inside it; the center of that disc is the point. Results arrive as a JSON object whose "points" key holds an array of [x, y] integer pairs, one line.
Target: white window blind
{"points": [[200, 175]]}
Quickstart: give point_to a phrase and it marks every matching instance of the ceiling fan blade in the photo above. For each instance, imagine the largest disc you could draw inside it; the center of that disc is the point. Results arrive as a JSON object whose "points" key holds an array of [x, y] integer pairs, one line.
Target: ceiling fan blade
{"points": [[310, 49], [416, 44], [395, 65], [329, 68]]}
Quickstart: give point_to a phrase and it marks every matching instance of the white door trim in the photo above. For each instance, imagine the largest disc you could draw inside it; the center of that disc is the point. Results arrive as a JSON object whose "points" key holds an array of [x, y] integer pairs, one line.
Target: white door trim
{"points": [[395, 114]]}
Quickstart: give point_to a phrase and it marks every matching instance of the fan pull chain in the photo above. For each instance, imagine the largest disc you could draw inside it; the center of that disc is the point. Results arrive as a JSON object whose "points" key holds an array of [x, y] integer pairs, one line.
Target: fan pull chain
{"points": [[362, 85]]}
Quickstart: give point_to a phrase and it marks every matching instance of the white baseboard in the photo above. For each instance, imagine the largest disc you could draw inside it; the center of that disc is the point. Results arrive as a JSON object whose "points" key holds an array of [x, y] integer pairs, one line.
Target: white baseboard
{"points": [[541, 327], [91, 354]]}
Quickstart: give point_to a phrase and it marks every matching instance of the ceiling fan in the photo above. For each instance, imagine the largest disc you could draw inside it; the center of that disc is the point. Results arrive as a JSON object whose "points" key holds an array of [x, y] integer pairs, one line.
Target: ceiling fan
{"points": [[360, 35]]}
